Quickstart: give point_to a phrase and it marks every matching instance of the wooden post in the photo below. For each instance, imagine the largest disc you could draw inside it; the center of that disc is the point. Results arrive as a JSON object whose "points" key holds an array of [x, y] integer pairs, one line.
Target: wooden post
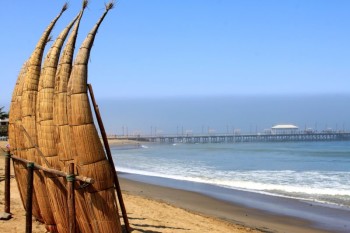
{"points": [[7, 183], [71, 198], [109, 157], [29, 207]]}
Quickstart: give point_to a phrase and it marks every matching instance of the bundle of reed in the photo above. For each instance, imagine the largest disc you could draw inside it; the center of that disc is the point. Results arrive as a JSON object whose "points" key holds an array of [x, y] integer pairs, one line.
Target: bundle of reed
{"points": [[28, 107], [16, 140], [64, 140], [44, 108], [65, 143], [99, 201], [38, 116], [56, 190], [15, 111], [16, 135]]}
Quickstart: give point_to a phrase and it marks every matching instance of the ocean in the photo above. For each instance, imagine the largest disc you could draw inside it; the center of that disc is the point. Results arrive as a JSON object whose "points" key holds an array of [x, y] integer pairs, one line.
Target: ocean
{"points": [[313, 171]]}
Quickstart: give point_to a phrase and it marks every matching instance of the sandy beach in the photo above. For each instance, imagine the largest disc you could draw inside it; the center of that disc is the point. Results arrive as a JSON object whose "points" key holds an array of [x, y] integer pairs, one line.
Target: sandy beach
{"points": [[250, 219], [153, 208]]}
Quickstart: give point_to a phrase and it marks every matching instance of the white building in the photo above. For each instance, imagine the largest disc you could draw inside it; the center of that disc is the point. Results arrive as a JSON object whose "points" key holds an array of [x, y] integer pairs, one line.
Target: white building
{"points": [[284, 129]]}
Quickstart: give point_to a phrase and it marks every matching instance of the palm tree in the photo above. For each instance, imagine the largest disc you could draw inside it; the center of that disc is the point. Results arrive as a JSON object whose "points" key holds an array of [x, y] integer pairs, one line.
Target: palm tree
{"points": [[3, 115]]}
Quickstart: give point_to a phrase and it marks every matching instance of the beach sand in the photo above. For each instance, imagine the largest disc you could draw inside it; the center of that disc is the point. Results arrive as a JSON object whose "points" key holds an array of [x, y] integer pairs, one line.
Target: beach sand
{"points": [[240, 218], [153, 209]]}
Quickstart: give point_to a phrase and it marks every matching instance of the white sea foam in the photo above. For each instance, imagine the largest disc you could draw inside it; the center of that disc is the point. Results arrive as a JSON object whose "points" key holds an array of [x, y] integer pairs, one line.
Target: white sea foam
{"points": [[273, 170], [267, 184]]}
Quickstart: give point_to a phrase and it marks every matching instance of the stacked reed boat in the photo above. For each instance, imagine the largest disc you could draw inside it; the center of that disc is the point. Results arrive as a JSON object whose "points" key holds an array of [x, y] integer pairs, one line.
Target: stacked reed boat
{"points": [[51, 124]]}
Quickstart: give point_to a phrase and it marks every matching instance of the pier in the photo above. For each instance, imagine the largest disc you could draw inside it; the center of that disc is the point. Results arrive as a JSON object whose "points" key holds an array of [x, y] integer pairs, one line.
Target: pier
{"points": [[240, 138]]}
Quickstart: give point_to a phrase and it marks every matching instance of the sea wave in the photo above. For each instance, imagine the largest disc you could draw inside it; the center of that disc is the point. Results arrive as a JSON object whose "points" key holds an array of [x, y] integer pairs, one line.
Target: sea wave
{"points": [[308, 171], [300, 185]]}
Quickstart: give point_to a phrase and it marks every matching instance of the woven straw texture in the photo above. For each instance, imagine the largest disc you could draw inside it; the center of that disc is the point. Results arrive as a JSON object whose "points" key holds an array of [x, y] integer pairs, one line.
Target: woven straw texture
{"points": [[41, 206], [51, 124]]}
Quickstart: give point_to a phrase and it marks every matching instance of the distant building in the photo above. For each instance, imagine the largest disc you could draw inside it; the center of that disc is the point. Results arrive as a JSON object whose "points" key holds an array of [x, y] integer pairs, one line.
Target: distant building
{"points": [[284, 129], [4, 123]]}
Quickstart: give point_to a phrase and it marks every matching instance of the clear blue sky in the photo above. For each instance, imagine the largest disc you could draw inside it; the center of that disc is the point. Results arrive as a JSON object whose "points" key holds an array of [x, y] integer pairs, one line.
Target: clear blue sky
{"points": [[163, 48]]}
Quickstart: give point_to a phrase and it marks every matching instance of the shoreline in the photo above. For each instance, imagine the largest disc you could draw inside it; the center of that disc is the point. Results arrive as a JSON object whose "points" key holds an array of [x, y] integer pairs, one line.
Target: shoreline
{"points": [[258, 211], [151, 207]]}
